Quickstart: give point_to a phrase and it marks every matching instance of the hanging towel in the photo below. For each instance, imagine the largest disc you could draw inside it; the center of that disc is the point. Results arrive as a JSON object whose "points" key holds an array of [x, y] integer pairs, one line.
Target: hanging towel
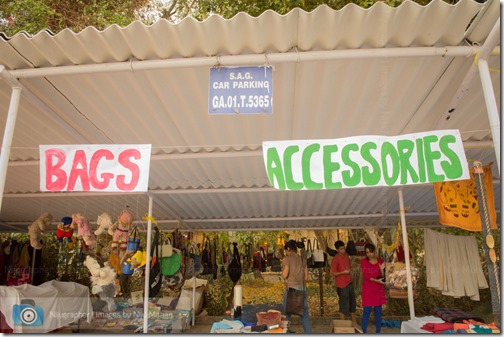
{"points": [[453, 265]]}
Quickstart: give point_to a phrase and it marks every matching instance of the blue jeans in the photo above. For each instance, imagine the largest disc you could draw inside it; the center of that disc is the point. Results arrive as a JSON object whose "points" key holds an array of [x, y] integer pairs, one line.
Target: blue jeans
{"points": [[367, 314], [305, 319]]}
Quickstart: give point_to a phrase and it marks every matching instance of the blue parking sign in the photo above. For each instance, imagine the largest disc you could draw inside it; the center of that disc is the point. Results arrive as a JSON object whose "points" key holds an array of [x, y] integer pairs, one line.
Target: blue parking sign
{"points": [[241, 90]]}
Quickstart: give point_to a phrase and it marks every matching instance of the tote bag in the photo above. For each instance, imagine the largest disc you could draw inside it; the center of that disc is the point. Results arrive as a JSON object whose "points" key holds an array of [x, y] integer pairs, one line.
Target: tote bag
{"points": [[205, 258], [192, 262], [171, 265], [235, 267], [310, 258], [319, 256], [167, 248], [155, 277], [133, 240]]}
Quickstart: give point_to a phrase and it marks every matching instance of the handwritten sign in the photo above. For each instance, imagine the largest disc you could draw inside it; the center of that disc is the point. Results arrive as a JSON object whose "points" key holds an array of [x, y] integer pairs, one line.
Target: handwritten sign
{"points": [[240, 90], [362, 161], [100, 168]]}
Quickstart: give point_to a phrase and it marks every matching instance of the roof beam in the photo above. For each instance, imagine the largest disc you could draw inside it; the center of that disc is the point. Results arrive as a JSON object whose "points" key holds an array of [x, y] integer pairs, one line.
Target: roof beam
{"points": [[250, 59], [159, 192]]}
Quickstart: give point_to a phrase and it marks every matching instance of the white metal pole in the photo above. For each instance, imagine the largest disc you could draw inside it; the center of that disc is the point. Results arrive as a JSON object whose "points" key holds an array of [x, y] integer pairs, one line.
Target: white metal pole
{"points": [[251, 59], [147, 269], [486, 50], [7, 138], [493, 112], [194, 299], [406, 254]]}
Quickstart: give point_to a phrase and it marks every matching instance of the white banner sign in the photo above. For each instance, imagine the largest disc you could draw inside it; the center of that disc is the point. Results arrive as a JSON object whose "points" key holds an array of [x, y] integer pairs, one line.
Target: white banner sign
{"points": [[425, 157], [98, 168]]}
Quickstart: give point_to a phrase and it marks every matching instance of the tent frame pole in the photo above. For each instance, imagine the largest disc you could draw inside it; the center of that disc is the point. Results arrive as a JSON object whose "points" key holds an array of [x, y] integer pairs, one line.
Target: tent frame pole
{"points": [[147, 268], [406, 253], [491, 104], [7, 138]]}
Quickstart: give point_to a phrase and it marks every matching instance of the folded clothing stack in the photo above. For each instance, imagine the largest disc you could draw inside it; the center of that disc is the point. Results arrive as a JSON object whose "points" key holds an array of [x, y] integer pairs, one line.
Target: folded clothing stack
{"points": [[452, 315]]}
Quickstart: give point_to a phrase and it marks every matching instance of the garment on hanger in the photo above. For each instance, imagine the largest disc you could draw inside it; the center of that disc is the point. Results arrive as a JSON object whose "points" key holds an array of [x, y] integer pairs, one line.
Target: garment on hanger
{"points": [[453, 265]]}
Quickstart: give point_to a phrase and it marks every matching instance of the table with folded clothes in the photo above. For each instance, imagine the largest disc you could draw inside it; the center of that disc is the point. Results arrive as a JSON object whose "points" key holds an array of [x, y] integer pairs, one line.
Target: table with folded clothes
{"points": [[448, 320], [254, 318]]}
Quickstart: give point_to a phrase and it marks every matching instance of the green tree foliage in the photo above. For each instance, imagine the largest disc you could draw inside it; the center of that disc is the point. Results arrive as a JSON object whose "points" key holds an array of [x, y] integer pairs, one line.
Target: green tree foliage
{"points": [[32, 16]]}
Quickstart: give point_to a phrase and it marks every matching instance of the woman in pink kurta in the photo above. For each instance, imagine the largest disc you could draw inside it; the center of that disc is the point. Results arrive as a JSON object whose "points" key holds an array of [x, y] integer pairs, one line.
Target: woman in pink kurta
{"points": [[373, 287]]}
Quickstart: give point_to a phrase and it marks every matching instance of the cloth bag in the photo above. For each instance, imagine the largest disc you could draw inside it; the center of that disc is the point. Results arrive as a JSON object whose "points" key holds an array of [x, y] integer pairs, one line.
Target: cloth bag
{"points": [[295, 302], [274, 261], [235, 267], [155, 277], [171, 265], [206, 258], [319, 256], [167, 248], [193, 262], [133, 243]]}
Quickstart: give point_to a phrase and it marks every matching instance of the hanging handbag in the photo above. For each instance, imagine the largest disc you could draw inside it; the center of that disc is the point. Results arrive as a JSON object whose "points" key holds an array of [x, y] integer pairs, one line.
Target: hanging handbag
{"points": [[133, 240], [274, 261], [235, 267], [193, 262], [166, 248], [329, 250], [171, 265], [264, 261], [360, 246], [319, 256], [155, 277], [310, 259], [205, 257], [350, 248]]}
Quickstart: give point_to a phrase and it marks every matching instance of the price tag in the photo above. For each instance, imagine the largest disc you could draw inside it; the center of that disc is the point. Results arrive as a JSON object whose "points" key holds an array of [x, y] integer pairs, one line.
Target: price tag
{"points": [[137, 297]]}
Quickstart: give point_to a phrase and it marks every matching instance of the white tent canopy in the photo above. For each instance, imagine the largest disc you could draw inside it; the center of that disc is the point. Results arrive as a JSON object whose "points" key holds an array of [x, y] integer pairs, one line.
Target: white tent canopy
{"points": [[378, 71]]}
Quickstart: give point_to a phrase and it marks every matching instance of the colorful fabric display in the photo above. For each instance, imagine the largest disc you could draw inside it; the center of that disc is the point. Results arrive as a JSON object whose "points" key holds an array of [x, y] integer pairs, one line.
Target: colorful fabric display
{"points": [[452, 315], [437, 327], [457, 203]]}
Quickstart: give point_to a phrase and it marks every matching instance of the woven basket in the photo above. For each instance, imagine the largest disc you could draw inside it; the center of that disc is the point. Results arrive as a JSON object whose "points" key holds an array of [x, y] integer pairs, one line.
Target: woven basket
{"points": [[399, 293]]}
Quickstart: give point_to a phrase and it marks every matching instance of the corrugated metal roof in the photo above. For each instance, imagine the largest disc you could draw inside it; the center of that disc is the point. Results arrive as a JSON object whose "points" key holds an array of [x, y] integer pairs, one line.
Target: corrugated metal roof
{"points": [[207, 170]]}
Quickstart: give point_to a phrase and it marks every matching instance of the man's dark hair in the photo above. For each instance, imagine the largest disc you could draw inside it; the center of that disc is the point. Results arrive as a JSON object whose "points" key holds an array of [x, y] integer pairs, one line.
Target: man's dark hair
{"points": [[338, 244], [292, 245]]}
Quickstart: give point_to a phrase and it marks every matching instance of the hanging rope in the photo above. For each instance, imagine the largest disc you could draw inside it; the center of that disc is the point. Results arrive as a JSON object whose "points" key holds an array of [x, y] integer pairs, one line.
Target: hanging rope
{"points": [[481, 192]]}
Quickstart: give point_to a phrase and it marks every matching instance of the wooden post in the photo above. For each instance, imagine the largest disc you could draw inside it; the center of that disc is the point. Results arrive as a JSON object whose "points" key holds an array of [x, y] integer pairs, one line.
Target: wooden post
{"points": [[321, 288]]}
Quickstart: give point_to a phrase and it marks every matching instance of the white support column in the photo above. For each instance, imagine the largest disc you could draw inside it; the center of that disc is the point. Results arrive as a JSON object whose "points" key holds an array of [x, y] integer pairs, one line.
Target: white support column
{"points": [[7, 139], [406, 254], [491, 104], [147, 269], [194, 299]]}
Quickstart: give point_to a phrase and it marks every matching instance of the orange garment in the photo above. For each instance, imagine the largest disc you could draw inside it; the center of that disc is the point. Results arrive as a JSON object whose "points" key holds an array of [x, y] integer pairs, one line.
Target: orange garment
{"points": [[457, 202], [463, 326]]}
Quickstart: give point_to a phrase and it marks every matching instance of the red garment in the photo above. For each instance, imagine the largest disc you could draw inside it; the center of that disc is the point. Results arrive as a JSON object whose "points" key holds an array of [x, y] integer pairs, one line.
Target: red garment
{"points": [[437, 327], [340, 263], [373, 293]]}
